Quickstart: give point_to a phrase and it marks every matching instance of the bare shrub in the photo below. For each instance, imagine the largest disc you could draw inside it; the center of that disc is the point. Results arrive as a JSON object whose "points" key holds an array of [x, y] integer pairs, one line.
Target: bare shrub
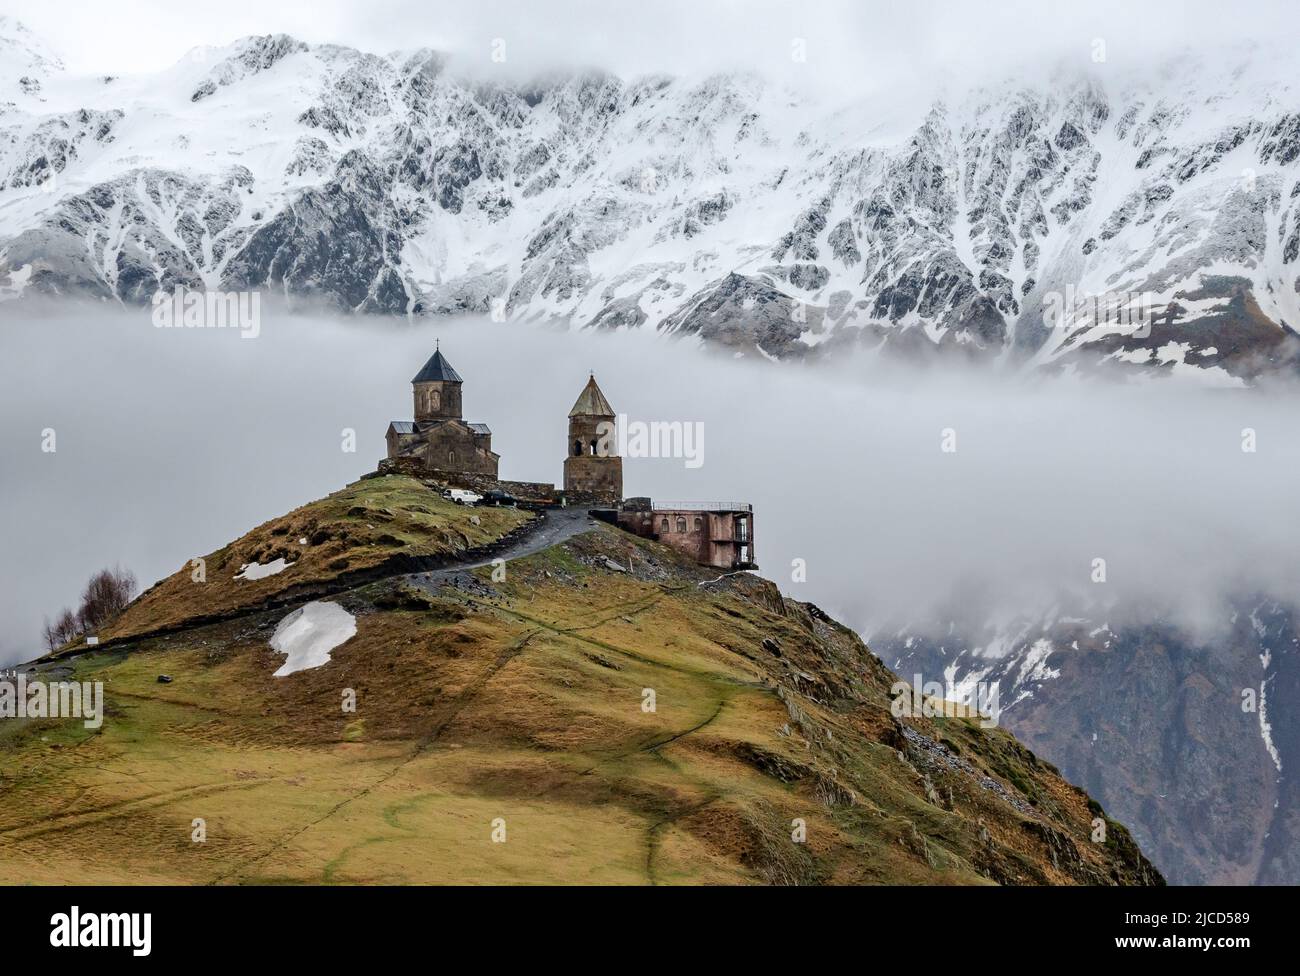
{"points": [[105, 596], [65, 627]]}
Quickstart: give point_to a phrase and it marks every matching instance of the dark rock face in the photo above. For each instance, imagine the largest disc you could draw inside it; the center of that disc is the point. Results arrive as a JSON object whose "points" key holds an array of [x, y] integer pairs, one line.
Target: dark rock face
{"points": [[457, 167], [746, 313], [809, 277], [844, 244], [336, 243], [944, 291], [1186, 740], [55, 144], [622, 313], [801, 242], [699, 215], [148, 258], [254, 54], [1235, 337]]}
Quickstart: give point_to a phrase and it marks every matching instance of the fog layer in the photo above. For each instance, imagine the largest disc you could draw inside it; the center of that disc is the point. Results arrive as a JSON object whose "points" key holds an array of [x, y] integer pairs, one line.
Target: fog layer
{"points": [[848, 46], [172, 442]]}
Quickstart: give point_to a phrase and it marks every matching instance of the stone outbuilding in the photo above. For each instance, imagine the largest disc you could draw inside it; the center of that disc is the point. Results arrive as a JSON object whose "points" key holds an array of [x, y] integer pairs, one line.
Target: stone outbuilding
{"points": [[441, 444], [717, 534]]}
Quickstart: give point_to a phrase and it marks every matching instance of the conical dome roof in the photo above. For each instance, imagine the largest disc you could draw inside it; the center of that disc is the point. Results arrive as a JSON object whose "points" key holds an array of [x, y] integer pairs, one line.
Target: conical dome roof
{"points": [[591, 402], [437, 370]]}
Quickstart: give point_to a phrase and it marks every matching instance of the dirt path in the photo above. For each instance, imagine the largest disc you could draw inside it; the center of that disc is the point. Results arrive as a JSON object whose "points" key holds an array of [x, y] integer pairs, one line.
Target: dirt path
{"points": [[556, 526], [76, 819]]}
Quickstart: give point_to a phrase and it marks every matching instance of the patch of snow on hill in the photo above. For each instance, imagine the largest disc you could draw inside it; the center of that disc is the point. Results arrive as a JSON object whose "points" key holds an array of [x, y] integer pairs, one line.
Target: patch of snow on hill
{"points": [[256, 571], [308, 635]]}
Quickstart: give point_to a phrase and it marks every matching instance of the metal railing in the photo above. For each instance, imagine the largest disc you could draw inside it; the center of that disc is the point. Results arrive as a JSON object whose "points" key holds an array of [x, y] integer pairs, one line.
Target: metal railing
{"points": [[681, 506]]}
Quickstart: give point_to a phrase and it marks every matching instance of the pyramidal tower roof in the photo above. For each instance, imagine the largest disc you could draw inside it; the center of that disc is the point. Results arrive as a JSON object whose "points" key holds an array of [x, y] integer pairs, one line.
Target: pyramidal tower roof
{"points": [[437, 370], [591, 402]]}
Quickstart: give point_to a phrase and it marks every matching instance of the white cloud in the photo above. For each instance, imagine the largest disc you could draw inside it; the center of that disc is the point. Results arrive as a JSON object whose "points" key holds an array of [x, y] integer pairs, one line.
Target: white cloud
{"points": [[876, 44]]}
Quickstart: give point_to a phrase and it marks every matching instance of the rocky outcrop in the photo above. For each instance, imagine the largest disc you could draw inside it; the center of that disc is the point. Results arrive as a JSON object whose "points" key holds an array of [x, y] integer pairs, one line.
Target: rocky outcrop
{"points": [[336, 243], [746, 313]]}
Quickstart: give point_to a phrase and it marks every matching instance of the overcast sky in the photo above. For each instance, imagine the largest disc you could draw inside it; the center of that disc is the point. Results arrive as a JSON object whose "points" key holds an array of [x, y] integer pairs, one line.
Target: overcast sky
{"points": [[848, 42]]}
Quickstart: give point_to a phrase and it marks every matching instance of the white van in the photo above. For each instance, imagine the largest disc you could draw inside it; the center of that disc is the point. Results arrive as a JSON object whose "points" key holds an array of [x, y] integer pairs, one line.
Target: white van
{"points": [[462, 496]]}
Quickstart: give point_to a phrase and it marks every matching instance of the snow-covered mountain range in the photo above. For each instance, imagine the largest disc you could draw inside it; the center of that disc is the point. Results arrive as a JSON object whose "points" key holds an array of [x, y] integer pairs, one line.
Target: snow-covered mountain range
{"points": [[724, 207]]}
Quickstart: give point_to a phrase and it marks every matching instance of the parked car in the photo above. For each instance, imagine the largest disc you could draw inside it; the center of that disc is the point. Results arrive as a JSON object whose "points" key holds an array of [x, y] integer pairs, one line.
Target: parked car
{"points": [[462, 496], [495, 496]]}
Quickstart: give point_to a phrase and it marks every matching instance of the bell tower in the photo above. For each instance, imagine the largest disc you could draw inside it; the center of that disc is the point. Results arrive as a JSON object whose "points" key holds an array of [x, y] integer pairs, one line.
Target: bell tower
{"points": [[593, 469], [437, 390]]}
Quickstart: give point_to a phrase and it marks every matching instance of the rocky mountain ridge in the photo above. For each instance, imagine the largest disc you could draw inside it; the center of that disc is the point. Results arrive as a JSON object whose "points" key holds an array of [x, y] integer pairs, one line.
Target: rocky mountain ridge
{"points": [[1025, 223]]}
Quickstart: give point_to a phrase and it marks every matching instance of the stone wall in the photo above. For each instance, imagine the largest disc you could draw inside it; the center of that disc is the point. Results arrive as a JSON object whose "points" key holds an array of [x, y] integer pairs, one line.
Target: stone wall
{"points": [[529, 492], [436, 400]]}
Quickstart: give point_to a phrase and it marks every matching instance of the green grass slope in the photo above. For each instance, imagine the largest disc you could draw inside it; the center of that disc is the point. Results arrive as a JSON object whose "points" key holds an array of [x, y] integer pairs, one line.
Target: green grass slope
{"points": [[503, 734], [369, 524]]}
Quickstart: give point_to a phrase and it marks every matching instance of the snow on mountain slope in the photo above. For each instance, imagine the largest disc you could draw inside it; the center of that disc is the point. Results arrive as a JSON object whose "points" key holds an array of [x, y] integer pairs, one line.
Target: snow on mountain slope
{"points": [[724, 207], [1187, 736]]}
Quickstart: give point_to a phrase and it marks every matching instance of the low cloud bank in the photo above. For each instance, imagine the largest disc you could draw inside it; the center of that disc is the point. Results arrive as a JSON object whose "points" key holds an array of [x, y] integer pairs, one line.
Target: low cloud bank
{"points": [[170, 443]]}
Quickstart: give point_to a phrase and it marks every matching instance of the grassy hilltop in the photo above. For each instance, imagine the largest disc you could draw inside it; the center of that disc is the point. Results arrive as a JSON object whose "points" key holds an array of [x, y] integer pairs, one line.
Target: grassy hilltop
{"points": [[516, 704]]}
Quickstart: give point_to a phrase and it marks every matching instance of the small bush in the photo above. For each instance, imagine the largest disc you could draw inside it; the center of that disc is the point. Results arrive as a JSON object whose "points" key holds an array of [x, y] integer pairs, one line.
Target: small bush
{"points": [[105, 596]]}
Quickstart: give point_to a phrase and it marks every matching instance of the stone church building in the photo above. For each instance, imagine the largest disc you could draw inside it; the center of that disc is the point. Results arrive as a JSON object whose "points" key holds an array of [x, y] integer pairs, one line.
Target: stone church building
{"points": [[441, 444], [439, 437]]}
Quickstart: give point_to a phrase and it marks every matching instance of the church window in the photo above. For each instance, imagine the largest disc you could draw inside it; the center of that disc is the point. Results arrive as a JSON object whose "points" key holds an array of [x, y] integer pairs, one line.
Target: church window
{"points": [[699, 523], [681, 524], [451, 457], [663, 527], [577, 448]]}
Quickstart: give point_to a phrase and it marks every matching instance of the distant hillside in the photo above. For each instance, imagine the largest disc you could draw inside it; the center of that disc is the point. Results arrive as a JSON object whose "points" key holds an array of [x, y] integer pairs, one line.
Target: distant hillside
{"points": [[503, 729], [1188, 738]]}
